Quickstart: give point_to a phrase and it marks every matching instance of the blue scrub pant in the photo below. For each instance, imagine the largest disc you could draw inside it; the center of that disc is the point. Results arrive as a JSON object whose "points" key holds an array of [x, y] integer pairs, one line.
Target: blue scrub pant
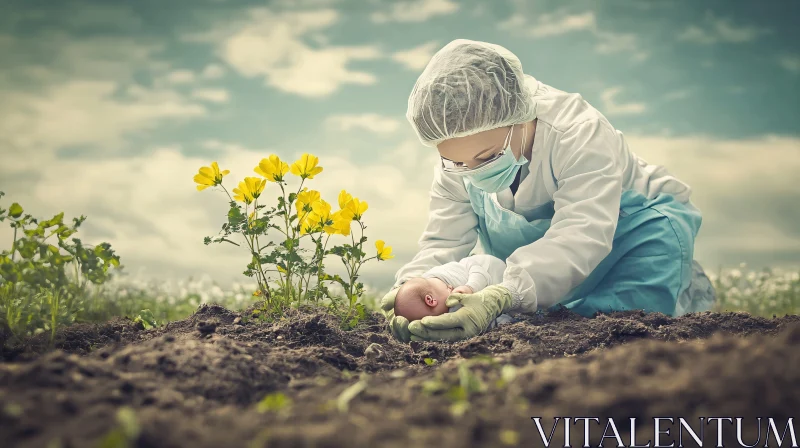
{"points": [[650, 264]]}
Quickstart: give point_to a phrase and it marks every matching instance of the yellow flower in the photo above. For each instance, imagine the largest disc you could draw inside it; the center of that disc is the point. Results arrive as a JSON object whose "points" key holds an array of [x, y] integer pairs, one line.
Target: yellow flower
{"points": [[318, 217], [249, 189], [384, 252], [209, 176], [356, 206], [273, 169], [306, 167], [321, 211], [341, 223], [306, 198], [307, 226], [344, 198]]}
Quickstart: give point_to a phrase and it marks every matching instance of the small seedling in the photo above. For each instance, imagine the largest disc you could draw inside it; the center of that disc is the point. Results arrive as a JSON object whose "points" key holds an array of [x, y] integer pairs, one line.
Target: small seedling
{"points": [[147, 319], [343, 401], [507, 374], [509, 437], [126, 432], [12, 410], [273, 403]]}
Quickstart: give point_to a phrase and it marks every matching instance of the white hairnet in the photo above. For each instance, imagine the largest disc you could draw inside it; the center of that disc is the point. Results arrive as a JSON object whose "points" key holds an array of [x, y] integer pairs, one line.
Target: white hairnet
{"points": [[466, 88]]}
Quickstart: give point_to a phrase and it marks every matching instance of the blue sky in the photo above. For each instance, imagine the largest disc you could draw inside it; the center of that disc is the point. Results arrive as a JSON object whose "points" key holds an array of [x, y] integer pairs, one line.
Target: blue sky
{"points": [[110, 107]]}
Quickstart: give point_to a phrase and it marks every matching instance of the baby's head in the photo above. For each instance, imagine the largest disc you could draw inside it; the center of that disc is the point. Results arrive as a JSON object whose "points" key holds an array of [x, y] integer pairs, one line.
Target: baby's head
{"points": [[420, 297]]}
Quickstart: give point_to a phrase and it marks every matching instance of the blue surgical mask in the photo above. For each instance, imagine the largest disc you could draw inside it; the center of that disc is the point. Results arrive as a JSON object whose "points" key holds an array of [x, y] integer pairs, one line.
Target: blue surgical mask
{"points": [[500, 174]]}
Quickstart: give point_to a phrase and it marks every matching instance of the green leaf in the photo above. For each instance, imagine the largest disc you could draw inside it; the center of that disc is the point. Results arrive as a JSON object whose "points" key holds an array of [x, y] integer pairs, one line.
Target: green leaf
{"points": [[273, 402], [457, 393], [64, 232], [429, 361], [147, 319], [459, 408], [15, 211], [37, 232], [508, 372], [125, 433], [55, 220], [126, 418], [347, 395], [27, 248]]}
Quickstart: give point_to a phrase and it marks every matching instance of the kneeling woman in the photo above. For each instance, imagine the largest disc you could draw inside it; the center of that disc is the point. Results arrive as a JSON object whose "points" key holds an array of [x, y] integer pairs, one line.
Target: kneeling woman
{"points": [[542, 180]]}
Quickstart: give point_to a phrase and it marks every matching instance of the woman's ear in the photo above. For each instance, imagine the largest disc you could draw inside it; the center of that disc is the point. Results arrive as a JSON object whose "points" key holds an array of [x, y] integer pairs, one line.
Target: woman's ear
{"points": [[430, 301]]}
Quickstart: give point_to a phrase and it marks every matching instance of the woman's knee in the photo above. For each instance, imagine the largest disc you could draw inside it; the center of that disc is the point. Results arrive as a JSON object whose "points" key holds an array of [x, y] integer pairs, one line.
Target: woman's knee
{"points": [[649, 283]]}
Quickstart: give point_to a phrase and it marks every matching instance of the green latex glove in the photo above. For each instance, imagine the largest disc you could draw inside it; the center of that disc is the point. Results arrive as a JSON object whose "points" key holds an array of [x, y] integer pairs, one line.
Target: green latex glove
{"points": [[398, 325], [477, 312]]}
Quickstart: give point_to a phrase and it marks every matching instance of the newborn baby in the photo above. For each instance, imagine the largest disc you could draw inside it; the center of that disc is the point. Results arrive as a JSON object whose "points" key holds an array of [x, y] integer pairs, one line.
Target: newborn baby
{"points": [[426, 296]]}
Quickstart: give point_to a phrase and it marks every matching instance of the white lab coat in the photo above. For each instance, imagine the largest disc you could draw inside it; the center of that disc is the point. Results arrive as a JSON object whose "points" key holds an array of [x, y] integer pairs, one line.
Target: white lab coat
{"points": [[581, 164]]}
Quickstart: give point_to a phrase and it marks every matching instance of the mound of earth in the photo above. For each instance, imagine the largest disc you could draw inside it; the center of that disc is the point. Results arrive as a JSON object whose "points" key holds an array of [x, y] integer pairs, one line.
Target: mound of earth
{"points": [[201, 381]]}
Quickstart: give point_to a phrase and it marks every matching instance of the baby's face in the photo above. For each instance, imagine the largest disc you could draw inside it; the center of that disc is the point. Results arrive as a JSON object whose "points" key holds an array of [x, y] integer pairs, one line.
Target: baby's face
{"points": [[422, 297]]}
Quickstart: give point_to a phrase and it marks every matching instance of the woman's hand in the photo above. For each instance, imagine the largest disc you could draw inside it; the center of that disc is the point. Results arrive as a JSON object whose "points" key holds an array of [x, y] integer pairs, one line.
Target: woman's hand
{"points": [[398, 325], [477, 311], [464, 289]]}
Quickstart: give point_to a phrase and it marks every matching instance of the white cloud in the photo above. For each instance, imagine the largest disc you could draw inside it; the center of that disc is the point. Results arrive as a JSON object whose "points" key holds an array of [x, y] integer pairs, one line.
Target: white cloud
{"points": [[271, 45], [213, 71], [86, 113], [86, 95], [64, 57], [718, 30], [790, 62], [180, 77], [742, 187], [371, 122], [562, 22], [551, 25], [415, 11], [418, 57], [211, 95], [611, 107], [611, 42]]}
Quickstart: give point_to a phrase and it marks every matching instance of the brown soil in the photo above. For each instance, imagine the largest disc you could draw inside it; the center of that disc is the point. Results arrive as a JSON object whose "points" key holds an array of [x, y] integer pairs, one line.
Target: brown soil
{"points": [[198, 382]]}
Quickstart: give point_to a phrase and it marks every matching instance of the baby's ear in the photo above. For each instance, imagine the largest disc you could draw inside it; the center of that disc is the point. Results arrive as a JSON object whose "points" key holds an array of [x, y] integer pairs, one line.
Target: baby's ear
{"points": [[429, 300]]}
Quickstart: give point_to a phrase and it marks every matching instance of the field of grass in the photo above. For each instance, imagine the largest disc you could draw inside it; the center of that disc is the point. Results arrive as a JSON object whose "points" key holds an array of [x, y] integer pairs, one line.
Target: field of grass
{"points": [[765, 292], [762, 293]]}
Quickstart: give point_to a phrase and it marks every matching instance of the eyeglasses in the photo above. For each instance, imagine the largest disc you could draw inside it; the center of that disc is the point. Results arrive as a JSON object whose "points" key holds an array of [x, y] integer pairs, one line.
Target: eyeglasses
{"points": [[451, 166]]}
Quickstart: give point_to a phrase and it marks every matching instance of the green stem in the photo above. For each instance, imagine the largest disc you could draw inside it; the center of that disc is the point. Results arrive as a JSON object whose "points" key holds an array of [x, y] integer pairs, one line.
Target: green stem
{"points": [[352, 270], [54, 303], [319, 268], [250, 240], [307, 278], [14, 243], [289, 294], [258, 246]]}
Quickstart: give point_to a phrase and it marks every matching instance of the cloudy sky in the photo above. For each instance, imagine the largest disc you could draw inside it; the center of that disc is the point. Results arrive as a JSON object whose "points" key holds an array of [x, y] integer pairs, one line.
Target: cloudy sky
{"points": [[108, 108]]}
